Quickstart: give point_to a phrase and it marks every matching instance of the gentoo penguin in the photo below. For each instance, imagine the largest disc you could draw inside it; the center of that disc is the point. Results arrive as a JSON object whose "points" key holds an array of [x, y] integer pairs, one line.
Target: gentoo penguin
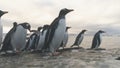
{"points": [[55, 34], [1, 28], [6, 43], [33, 40], [79, 38], [97, 39], [65, 40], [18, 39], [42, 37]]}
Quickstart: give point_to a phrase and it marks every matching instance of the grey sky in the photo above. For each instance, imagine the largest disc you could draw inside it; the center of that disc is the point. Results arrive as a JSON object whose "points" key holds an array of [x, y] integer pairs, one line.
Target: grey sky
{"points": [[88, 14]]}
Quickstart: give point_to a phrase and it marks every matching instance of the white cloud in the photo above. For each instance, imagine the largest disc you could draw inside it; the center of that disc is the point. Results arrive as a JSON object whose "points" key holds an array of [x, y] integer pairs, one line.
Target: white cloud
{"points": [[40, 12]]}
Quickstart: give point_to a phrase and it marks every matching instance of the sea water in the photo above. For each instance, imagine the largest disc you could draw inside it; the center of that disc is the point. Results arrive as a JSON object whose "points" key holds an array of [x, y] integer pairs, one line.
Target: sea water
{"points": [[108, 42]]}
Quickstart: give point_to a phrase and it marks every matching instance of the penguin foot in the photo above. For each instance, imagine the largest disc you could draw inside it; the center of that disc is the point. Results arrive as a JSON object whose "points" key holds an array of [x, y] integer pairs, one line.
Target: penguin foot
{"points": [[2, 53], [75, 46], [80, 47], [17, 52], [118, 58], [71, 46], [8, 53], [99, 49], [56, 53]]}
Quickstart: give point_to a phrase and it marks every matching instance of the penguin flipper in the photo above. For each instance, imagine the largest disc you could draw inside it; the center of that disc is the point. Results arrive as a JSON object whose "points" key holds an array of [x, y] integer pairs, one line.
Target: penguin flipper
{"points": [[94, 43], [71, 45], [61, 45], [99, 41]]}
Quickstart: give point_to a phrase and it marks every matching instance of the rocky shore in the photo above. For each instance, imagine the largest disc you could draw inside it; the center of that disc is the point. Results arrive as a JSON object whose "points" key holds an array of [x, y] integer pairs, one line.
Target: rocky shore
{"points": [[75, 58]]}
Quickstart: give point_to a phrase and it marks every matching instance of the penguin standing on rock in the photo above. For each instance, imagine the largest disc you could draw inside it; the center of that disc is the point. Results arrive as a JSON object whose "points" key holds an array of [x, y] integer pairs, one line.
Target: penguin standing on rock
{"points": [[65, 40], [41, 40], [55, 34], [18, 40], [97, 39], [17, 37], [7, 47], [79, 38], [1, 28], [33, 40]]}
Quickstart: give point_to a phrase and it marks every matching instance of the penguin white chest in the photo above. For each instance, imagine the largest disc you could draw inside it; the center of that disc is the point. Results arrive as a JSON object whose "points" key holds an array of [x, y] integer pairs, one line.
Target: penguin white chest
{"points": [[31, 41], [65, 38], [43, 36], [1, 31], [58, 35], [19, 38], [61, 28], [41, 40]]}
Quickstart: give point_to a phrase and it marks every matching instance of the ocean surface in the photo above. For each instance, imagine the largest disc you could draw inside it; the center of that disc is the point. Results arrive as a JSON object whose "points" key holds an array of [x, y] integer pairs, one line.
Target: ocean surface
{"points": [[108, 42]]}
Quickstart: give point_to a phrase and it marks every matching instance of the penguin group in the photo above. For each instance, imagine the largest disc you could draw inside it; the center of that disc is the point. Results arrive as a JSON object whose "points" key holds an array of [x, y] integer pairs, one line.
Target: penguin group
{"points": [[48, 38]]}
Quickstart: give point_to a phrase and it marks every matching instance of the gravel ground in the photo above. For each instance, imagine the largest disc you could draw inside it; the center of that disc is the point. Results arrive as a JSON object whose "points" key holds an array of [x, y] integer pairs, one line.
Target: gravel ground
{"points": [[75, 58]]}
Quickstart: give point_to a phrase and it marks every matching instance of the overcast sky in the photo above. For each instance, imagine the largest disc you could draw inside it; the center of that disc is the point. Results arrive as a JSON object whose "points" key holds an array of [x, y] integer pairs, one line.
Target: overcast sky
{"points": [[88, 14]]}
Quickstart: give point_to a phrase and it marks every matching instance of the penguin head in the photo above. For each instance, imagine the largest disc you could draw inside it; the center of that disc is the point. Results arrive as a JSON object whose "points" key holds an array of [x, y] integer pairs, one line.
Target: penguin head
{"points": [[2, 12], [100, 31], [45, 26], [14, 24], [64, 11], [26, 25], [39, 28], [84, 31]]}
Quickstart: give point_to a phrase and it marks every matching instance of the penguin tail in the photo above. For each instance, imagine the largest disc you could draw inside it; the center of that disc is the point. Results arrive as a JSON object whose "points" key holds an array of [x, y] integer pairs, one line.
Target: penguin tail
{"points": [[72, 45], [23, 50], [92, 47]]}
